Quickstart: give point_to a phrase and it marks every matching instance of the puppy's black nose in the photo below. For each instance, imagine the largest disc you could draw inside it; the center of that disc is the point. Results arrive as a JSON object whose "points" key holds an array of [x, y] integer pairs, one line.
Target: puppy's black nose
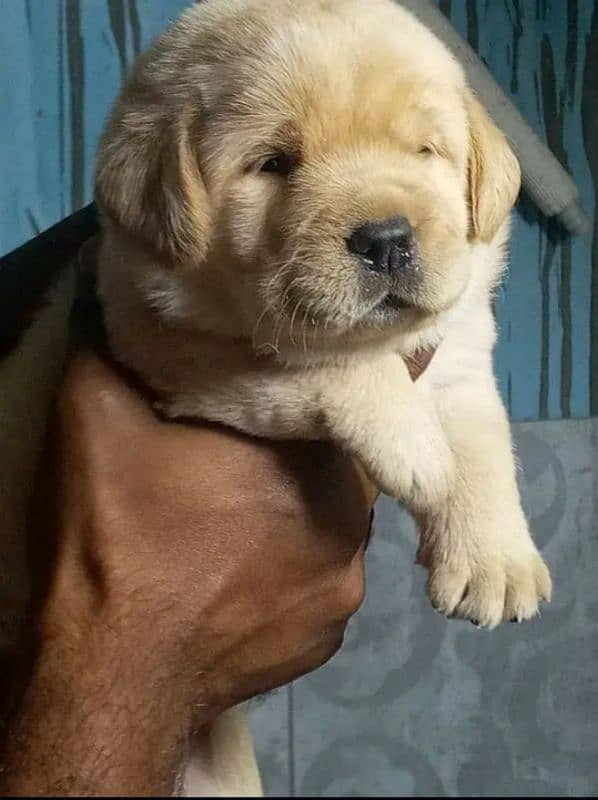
{"points": [[383, 245]]}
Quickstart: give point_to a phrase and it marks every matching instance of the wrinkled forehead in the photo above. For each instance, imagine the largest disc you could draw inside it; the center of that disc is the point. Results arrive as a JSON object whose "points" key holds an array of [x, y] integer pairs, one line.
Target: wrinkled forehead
{"points": [[328, 83]]}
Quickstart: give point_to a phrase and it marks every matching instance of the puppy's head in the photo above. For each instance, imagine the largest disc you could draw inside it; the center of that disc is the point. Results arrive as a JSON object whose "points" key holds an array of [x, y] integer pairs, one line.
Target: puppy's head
{"points": [[318, 171]]}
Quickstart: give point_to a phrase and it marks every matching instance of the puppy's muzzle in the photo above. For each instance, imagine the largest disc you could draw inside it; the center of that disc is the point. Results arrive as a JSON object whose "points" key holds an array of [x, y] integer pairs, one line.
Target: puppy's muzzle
{"points": [[385, 247]]}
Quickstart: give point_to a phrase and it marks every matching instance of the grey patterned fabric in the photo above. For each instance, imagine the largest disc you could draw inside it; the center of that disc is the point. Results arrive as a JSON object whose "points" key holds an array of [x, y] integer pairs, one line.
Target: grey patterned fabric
{"points": [[418, 706]]}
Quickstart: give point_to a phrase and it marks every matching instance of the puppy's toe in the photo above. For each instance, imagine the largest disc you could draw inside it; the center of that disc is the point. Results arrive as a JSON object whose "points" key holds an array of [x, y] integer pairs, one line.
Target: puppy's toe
{"points": [[466, 587], [484, 599], [543, 579], [528, 583], [446, 587]]}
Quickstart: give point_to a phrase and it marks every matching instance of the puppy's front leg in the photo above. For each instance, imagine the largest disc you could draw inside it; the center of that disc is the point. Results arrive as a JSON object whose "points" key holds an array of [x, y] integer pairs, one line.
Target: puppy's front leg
{"points": [[482, 562], [370, 407], [376, 411]]}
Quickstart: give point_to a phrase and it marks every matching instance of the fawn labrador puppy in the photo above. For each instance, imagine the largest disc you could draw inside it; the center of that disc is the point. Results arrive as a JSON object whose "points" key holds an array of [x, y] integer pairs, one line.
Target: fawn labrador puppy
{"points": [[296, 196]]}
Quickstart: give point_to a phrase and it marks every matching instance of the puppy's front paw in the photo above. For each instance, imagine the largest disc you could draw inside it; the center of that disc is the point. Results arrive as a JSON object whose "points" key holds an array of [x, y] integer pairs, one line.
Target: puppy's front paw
{"points": [[421, 486], [489, 586], [415, 465]]}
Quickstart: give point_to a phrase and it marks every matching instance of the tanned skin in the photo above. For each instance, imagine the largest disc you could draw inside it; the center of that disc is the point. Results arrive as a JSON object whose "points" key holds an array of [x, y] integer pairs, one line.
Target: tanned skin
{"points": [[178, 571]]}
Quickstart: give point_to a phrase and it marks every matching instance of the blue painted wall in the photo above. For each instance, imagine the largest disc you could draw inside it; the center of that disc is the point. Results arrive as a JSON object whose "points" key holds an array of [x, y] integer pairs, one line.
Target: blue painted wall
{"points": [[61, 62]]}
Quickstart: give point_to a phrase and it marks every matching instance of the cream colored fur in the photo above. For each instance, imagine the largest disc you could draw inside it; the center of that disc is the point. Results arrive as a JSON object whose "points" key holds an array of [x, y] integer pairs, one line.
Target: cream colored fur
{"points": [[232, 293]]}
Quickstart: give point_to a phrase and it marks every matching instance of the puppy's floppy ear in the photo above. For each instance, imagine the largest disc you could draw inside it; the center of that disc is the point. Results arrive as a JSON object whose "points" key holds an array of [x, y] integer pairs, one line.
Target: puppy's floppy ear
{"points": [[148, 181], [493, 173]]}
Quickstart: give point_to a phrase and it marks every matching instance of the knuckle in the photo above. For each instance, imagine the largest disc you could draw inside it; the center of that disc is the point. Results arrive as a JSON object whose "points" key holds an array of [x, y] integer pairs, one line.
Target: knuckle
{"points": [[336, 642], [323, 648], [351, 593], [330, 646]]}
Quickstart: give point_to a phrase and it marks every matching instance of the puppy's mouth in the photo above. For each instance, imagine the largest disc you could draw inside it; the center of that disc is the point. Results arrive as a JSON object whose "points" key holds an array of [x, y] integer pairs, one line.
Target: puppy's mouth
{"points": [[393, 308], [394, 302], [392, 294]]}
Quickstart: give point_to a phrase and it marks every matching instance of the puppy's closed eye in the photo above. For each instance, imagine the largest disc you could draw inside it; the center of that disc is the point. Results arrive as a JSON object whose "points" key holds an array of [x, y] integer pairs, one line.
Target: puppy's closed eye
{"points": [[278, 164]]}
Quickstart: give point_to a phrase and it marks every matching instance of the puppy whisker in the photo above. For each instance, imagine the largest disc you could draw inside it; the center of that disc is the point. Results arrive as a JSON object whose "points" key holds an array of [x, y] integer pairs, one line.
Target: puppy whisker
{"points": [[256, 327], [293, 323]]}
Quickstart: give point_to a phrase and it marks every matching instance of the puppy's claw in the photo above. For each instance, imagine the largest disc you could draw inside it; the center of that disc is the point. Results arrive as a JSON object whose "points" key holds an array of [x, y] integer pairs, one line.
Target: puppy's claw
{"points": [[491, 588]]}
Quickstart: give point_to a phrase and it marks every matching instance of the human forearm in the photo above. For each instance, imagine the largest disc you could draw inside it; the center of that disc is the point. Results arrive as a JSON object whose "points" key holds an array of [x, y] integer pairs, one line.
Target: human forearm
{"points": [[180, 570], [107, 711]]}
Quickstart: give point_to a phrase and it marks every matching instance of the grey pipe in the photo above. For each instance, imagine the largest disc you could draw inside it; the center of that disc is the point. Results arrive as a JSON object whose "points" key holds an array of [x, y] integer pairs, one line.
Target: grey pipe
{"points": [[547, 183]]}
